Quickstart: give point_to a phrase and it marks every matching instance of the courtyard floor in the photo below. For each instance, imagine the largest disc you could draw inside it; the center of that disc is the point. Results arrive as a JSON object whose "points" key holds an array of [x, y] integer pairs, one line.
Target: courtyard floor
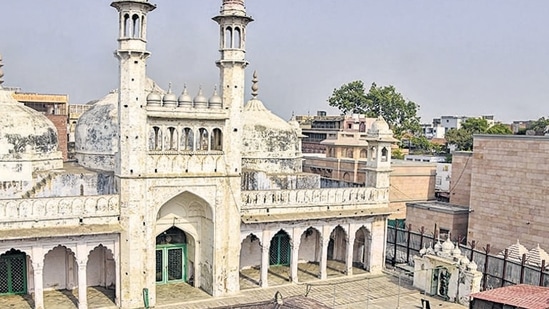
{"points": [[361, 290]]}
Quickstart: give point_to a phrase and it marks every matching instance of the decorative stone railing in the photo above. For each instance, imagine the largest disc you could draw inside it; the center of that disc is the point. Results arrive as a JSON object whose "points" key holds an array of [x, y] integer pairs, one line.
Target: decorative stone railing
{"points": [[283, 201], [59, 211]]}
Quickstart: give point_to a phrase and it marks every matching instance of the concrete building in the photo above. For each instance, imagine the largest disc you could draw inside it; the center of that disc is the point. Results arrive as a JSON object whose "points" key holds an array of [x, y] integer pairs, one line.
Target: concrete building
{"points": [[508, 191], [326, 127], [345, 163], [173, 188]]}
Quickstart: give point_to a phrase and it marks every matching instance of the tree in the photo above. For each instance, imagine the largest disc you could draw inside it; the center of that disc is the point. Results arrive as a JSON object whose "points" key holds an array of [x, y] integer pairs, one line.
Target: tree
{"points": [[539, 126], [462, 138], [499, 128], [400, 114]]}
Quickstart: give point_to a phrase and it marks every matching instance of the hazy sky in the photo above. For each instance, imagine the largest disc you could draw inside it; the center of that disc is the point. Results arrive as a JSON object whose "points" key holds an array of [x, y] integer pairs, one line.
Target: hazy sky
{"points": [[460, 57]]}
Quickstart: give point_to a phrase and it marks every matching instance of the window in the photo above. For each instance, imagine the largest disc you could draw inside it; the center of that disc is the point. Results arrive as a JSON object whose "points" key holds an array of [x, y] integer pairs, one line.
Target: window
{"points": [[203, 139], [237, 38], [157, 138], [187, 139], [384, 154], [217, 139], [228, 37]]}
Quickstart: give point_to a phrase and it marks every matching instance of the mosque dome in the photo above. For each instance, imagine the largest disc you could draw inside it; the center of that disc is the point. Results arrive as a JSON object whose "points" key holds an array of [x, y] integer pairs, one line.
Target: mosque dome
{"points": [[96, 134], [215, 100], [269, 143], [185, 99], [154, 99], [170, 99], [200, 101], [27, 135]]}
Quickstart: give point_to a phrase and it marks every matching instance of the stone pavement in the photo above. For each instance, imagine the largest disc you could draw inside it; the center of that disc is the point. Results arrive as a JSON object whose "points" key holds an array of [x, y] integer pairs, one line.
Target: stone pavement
{"points": [[362, 290]]}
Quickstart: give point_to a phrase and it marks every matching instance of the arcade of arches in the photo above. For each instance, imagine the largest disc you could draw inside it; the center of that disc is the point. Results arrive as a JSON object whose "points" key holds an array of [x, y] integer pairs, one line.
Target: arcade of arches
{"points": [[59, 263], [264, 246]]}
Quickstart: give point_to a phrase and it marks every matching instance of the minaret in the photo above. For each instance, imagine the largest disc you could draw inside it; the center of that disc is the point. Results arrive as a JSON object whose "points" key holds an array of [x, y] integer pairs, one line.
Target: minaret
{"points": [[232, 20], [132, 54], [137, 237]]}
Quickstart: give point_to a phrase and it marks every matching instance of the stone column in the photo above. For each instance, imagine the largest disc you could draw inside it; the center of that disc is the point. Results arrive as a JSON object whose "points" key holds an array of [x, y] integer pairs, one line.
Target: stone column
{"points": [[263, 281], [265, 247], [349, 241], [82, 261], [38, 276], [38, 268], [294, 260], [82, 285], [324, 240]]}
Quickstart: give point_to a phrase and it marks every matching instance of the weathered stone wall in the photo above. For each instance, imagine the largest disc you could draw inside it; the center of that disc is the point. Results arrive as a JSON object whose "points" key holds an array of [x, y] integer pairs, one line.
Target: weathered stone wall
{"points": [[58, 212], [509, 191], [252, 180], [300, 201], [460, 182]]}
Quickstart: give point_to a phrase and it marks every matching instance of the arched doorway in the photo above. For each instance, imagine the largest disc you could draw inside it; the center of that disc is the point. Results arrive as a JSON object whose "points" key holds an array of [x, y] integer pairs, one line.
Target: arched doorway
{"points": [[361, 249], [13, 273], [280, 251], [337, 245], [101, 268], [250, 262], [171, 256]]}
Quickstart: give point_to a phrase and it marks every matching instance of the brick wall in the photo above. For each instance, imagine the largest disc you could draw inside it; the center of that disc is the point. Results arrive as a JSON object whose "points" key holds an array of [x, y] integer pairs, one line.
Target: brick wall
{"points": [[60, 122], [460, 181], [443, 215], [510, 191]]}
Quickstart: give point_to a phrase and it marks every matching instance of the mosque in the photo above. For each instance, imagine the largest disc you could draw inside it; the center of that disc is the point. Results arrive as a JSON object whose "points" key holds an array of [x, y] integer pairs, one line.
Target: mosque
{"points": [[171, 188]]}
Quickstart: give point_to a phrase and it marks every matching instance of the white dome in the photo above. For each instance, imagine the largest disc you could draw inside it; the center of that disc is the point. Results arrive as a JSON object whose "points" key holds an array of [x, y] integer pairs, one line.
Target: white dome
{"points": [[269, 143], [96, 134], [27, 135]]}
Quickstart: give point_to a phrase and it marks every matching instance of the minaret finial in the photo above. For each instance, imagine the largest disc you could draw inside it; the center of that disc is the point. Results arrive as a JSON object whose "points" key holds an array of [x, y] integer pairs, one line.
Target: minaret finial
{"points": [[255, 86], [170, 87], [1, 72]]}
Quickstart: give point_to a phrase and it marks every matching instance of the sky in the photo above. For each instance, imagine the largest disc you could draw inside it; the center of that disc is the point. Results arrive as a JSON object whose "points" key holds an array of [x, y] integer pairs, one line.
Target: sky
{"points": [[467, 57]]}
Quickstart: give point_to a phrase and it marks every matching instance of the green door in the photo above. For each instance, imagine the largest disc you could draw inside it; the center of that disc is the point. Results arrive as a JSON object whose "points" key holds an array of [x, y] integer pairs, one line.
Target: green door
{"points": [[170, 263], [279, 251], [13, 273], [171, 256]]}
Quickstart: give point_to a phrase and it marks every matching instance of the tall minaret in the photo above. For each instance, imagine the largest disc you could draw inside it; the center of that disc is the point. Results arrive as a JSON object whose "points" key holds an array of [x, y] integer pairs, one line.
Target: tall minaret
{"points": [[132, 54], [136, 238], [232, 20]]}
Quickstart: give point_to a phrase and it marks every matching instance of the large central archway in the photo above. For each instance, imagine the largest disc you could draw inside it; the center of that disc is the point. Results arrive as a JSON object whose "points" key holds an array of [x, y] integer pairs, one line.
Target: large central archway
{"points": [[184, 242]]}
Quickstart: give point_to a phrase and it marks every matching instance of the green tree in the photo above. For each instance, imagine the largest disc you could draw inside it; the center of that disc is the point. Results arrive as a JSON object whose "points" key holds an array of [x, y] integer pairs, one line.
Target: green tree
{"points": [[499, 128], [400, 114], [463, 137], [539, 126]]}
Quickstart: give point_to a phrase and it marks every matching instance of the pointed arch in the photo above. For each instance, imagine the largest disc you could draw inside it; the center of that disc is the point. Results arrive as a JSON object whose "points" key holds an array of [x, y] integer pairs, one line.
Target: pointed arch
{"points": [[279, 250], [362, 248], [237, 38], [14, 266], [228, 42], [193, 216], [337, 245], [60, 268], [101, 267], [310, 245]]}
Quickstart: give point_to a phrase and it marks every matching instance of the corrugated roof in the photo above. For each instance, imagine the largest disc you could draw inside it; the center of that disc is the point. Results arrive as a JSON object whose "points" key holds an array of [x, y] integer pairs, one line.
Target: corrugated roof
{"points": [[521, 296]]}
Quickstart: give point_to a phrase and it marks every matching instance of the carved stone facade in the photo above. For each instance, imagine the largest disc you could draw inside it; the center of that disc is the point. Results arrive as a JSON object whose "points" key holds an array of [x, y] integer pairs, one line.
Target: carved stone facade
{"points": [[181, 189]]}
